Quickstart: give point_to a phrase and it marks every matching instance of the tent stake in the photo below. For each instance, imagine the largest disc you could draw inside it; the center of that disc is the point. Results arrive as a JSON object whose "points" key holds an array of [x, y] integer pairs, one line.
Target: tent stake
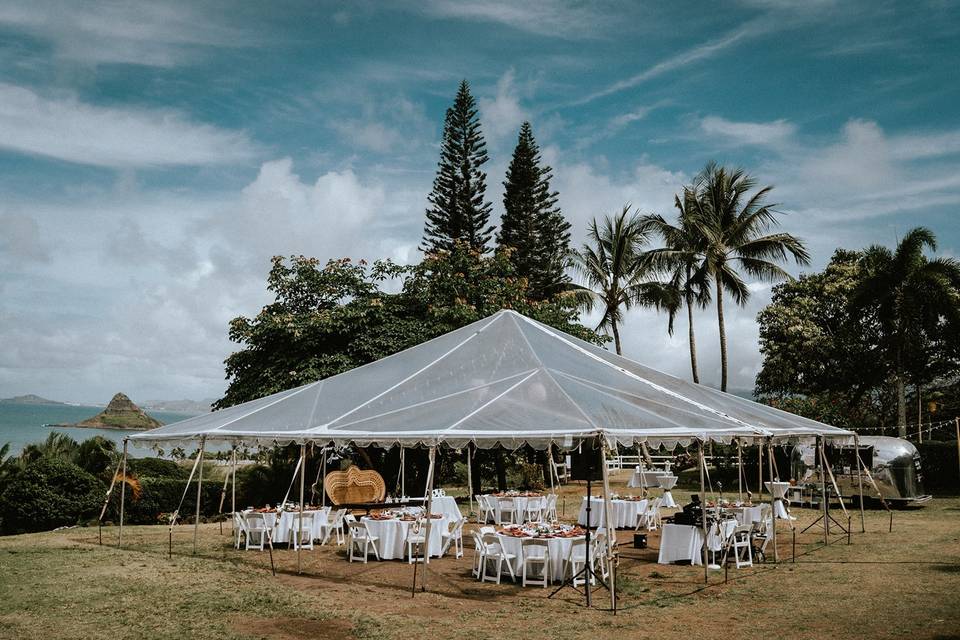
{"points": [[196, 519], [123, 492]]}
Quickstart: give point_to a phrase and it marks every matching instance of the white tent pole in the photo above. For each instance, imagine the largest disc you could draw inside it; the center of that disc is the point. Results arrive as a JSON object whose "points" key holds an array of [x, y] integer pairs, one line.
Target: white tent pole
{"points": [[703, 512], [233, 492], [470, 477], [429, 514], [856, 444], [303, 469], [123, 491], [739, 471], [403, 471], [323, 467], [759, 470], [223, 492], [196, 519], [610, 525], [106, 499], [823, 491], [176, 512], [773, 502], [550, 466]]}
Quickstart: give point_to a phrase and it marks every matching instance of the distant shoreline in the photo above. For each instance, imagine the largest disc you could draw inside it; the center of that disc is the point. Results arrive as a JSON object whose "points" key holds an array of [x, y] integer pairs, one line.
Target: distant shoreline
{"points": [[92, 426]]}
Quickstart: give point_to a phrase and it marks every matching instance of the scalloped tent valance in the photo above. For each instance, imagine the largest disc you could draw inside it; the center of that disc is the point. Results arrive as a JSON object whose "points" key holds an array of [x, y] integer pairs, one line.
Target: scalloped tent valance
{"points": [[504, 380]]}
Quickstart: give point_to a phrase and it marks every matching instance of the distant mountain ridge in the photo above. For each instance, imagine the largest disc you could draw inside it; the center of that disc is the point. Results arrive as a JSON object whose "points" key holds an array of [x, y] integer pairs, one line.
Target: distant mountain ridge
{"points": [[181, 406], [28, 399]]}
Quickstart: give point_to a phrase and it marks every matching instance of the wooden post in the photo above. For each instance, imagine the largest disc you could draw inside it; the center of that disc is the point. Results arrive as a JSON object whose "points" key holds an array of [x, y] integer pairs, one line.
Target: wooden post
{"points": [[470, 478], [610, 526], [323, 473], [856, 444], [429, 514], [303, 469], [196, 519], [703, 510], [760, 471], [403, 474], [956, 422], [123, 491], [233, 492], [773, 502], [823, 491]]}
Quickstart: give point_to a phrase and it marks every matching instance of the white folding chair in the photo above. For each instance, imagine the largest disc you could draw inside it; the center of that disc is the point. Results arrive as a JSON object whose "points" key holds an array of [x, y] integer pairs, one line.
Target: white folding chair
{"points": [[742, 545], [479, 554], [652, 515], [641, 514], [488, 529], [575, 562], [599, 550], [302, 536], [454, 536], [534, 511], [550, 508], [335, 526], [494, 551], [507, 507], [258, 533], [239, 528], [485, 511], [360, 537], [417, 537], [535, 552]]}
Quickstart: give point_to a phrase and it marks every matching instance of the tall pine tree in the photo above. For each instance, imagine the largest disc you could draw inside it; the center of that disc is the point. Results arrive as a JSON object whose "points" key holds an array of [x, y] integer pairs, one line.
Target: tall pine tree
{"points": [[458, 212], [532, 224]]}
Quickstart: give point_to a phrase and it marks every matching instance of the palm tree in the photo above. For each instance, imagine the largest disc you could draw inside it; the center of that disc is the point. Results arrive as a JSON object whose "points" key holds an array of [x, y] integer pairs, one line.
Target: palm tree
{"points": [[734, 226], [682, 259], [57, 445], [911, 295], [615, 270]]}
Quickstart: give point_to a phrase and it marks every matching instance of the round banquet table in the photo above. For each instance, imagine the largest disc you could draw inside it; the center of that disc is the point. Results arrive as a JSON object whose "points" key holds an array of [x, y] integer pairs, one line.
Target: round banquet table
{"points": [[559, 549], [281, 530], [625, 512], [392, 536], [519, 506]]}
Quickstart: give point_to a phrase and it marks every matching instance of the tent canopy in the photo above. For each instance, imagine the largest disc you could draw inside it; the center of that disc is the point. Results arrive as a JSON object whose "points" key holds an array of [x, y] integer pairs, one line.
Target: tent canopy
{"points": [[506, 380]]}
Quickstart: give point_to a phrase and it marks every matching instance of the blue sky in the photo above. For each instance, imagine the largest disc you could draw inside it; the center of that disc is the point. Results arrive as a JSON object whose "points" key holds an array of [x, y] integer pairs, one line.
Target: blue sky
{"points": [[153, 157]]}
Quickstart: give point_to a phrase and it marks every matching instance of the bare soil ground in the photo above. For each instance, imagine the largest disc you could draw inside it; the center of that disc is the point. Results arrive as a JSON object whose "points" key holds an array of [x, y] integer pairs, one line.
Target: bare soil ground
{"points": [[884, 585]]}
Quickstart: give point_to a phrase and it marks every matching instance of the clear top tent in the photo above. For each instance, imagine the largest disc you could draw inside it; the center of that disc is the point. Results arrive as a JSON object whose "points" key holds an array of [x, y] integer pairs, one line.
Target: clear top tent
{"points": [[506, 380]]}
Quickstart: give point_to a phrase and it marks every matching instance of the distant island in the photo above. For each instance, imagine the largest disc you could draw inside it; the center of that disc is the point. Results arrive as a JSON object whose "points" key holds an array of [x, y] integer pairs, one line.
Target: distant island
{"points": [[121, 413], [181, 406], [28, 399]]}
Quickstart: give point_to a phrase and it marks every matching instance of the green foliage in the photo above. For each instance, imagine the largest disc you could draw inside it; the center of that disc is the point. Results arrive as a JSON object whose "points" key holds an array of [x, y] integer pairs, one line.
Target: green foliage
{"points": [[97, 455], [939, 465], [458, 212], [161, 496], [48, 493], [156, 468], [532, 224], [56, 446]]}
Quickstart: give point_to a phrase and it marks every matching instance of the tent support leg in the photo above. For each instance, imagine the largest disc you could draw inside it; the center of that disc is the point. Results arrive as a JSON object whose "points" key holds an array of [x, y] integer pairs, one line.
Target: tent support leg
{"points": [[233, 492], [611, 530], [429, 516], [303, 469], [760, 471], [856, 444], [470, 478], [123, 491], [703, 494], [773, 502], [739, 471], [196, 518]]}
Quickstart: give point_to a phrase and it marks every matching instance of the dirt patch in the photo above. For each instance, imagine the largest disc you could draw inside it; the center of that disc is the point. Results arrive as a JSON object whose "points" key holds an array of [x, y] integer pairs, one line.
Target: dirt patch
{"points": [[294, 628]]}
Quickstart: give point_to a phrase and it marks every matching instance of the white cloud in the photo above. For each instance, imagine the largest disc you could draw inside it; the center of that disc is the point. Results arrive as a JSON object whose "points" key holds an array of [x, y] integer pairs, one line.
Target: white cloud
{"points": [[555, 18], [65, 128], [502, 114], [151, 34], [749, 133], [21, 240]]}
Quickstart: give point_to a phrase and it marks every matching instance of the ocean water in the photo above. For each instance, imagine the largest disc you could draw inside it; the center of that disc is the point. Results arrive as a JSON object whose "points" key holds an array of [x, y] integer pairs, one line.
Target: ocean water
{"points": [[22, 424]]}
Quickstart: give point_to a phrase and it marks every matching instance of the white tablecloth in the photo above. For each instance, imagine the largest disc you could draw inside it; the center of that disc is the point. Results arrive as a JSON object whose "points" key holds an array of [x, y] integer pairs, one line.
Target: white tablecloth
{"points": [[779, 490], [446, 505], [746, 515], [625, 512], [559, 549], [392, 536], [680, 542], [281, 531], [649, 478], [519, 505]]}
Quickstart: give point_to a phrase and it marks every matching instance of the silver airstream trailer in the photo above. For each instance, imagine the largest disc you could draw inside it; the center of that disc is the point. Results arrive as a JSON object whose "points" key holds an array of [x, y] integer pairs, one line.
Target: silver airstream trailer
{"points": [[894, 463]]}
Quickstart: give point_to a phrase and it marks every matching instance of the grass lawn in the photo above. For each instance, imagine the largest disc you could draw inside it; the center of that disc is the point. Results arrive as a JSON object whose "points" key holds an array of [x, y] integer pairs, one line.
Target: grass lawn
{"points": [[884, 585]]}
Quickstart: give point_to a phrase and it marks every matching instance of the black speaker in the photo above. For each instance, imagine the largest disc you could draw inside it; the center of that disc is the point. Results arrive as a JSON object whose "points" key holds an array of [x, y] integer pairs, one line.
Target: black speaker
{"points": [[587, 463]]}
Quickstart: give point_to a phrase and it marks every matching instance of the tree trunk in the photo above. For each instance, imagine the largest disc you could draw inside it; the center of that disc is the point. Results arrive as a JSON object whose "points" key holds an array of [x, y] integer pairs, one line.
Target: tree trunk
{"points": [[723, 336], [901, 395], [616, 337], [501, 469], [693, 342]]}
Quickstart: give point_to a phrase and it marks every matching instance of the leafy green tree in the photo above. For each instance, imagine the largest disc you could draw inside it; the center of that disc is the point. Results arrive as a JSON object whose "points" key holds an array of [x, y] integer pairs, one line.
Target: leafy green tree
{"points": [[616, 272], [48, 492], [533, 226], [458, 211], [57, 445], [734, 225], [916, 301], [682, 258]]}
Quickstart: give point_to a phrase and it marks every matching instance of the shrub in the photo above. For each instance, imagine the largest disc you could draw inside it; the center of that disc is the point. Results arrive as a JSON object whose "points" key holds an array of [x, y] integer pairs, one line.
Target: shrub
{"points": [[156, 468], [162, 495], [939, 465], [49, 493]]}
